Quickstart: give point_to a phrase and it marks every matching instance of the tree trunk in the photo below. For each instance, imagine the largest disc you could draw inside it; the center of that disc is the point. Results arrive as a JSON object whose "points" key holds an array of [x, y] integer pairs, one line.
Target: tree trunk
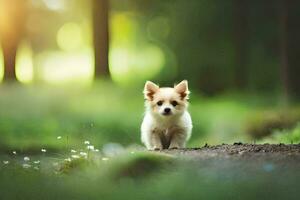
{"points": [[293, 44], [240, 38], [284, 66], [9, 55], [13, 15], [289, 45], [101, 37]]}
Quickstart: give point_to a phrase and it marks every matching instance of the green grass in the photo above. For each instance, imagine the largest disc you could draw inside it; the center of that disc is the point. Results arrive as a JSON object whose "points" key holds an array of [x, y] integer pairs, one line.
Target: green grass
{"points": [[36, 116], [32, 117]]}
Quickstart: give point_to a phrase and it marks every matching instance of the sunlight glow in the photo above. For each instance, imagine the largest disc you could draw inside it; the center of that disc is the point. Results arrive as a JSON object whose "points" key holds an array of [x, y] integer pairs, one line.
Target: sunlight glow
{"points": [[63, 67], [69, 37], [132, 58], [123, 27], [133, 65], [24, 63], [55, 4]]}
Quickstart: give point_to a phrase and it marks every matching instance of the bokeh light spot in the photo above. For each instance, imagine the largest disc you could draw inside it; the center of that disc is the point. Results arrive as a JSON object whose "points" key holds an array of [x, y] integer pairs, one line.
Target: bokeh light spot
{"points": [[24, 63], [132, 59], [128, 65], [123, 27], [69, 37], [55, 4], [63, 67]]}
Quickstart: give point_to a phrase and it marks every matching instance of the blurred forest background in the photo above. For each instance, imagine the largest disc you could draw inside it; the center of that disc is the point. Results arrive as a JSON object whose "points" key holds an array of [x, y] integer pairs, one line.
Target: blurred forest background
{"points": [[76, 69]]}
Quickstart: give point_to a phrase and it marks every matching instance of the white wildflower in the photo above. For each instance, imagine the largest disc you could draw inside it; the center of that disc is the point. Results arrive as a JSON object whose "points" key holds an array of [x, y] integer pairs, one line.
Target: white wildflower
{"points": [[73, 151], [68, 159], [14, 152], [86, 142], [5, 162], [36, 162], [83, 154], [43, 150], [97, 150], [90, 147], [26, 166], [36, 168], [104, 158], [75, 156], [26, 158], [58, 137]]}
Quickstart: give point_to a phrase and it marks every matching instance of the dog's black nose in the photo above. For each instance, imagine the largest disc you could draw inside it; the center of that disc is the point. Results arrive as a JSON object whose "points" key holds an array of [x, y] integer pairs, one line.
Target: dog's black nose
{"points": [[167, 110]]}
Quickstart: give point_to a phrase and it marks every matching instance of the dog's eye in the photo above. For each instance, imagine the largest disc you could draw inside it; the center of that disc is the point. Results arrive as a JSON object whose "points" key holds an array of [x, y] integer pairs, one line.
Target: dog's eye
{"points": [[159, 103], [174, 103]]}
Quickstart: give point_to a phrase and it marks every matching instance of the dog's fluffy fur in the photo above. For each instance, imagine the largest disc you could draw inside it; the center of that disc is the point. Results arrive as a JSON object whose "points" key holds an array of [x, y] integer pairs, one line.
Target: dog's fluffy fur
{"points": [[167, 123]]}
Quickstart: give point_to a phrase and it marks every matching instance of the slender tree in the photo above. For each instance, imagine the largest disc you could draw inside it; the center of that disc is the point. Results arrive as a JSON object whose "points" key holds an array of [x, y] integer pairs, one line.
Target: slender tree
{"points": [[293, 43], [289, 45], [240, 38], [12, 30], [284, 66], [101, 37]]}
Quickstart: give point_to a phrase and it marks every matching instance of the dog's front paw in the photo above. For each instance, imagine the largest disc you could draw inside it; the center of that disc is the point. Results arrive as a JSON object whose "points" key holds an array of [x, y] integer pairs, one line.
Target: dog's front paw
{"points": [[156, 148], [174, 146]]}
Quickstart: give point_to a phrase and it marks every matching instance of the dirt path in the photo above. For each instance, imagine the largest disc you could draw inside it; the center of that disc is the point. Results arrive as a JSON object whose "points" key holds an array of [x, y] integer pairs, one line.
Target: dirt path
{"points": [[239, 149], [251, 153]]}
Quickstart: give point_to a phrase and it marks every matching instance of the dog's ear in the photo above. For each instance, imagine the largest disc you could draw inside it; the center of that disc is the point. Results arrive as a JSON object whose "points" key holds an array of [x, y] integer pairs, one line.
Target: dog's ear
{"points": [[150, 89], [182, 89]]}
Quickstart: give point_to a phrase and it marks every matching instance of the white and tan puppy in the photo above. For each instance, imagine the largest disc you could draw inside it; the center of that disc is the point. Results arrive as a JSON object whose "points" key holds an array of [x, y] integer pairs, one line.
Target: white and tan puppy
{"points": [[167, 123]]}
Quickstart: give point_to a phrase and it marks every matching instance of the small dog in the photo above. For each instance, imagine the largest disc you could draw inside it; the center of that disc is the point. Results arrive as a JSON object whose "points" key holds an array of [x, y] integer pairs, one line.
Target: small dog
{"points": [[167, 123]]}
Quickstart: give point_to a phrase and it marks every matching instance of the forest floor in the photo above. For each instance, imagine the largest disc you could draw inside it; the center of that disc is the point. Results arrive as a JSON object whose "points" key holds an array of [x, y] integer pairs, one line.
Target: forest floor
{"points": [[282, 155], [238, 149], [237, 171]]}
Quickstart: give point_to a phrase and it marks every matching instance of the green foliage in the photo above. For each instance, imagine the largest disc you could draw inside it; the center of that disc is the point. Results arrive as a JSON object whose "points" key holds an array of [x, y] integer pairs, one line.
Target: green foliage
{"points": [[69, 166], [287, 136], [132, 165], [265, 122], [139, 165]]}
